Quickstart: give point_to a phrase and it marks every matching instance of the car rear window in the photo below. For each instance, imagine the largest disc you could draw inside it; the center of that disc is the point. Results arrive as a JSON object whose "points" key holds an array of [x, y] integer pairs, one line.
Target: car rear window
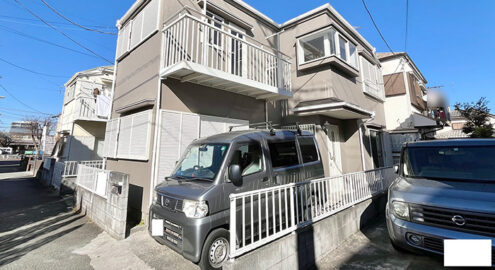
{"points": [[466, 163], [283, 154], [308, 149]]}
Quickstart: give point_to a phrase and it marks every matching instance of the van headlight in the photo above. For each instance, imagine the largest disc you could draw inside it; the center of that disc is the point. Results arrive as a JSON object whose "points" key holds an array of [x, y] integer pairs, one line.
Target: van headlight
{"points": [[400, 210], [195, 209], [155, 197]]}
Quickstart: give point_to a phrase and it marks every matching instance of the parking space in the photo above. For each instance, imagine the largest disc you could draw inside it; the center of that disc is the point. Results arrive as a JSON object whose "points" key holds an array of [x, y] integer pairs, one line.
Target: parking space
{"points": [[371, 249]]}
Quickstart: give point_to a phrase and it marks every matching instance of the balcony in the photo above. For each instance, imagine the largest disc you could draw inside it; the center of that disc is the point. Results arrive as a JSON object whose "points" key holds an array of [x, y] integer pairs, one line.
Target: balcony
{"points": [[79, 109], [218, 56]]}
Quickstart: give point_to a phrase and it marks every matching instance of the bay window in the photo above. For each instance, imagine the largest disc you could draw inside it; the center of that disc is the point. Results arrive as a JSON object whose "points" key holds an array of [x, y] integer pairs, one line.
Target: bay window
{"points": [[326, 43], [342, 48], [313, 47]]}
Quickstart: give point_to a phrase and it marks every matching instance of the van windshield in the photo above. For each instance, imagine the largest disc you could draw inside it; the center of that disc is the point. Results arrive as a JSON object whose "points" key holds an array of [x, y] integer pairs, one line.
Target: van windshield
{"points": [[201, 161], [465, 163]]}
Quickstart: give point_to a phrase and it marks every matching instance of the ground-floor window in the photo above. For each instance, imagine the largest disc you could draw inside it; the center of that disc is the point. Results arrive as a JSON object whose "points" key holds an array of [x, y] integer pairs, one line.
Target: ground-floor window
{"points": [[373, 143]]}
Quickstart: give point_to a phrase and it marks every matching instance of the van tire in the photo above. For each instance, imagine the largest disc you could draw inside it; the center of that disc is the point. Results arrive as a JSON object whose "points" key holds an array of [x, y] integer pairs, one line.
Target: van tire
{"points": [[217, 243]]}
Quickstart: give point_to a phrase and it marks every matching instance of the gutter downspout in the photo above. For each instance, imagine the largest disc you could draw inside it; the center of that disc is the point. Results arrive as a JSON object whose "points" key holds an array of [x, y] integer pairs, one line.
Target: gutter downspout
{"points": [[154, 154], [111, 104]]}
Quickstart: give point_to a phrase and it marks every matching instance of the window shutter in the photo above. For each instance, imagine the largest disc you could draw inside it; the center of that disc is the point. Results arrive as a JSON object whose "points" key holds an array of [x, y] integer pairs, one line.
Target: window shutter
{"points": [[189, 130], [150, 21], [169, 143], [124, 143], [210, 126], [140, 135], [123, 40], [111, 133], [178, 130], [136, 31]]}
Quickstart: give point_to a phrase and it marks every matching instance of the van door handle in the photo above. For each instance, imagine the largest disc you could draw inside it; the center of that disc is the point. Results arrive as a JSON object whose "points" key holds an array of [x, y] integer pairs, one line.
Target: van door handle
{"points": [[265, 179]]}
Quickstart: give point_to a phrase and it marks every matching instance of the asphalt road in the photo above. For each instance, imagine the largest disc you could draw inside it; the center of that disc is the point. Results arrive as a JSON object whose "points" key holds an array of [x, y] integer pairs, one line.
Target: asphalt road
{"points": [[40, 230]]}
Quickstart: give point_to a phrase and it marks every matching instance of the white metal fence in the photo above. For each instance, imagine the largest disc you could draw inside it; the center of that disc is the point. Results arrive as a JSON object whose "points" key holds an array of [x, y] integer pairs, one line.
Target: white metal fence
{"points": [[70, 168], [93, 179], [219, 46], [261, 216]]}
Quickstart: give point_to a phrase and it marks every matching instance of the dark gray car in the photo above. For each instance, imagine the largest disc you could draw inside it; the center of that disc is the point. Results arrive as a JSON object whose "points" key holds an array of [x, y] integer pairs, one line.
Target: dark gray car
{"points": [[194, 201], [445, 190]]}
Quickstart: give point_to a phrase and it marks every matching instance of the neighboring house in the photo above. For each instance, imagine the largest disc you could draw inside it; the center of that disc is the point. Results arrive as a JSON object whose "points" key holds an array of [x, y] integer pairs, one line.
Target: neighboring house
{"points": [[189, 72], [454, 130], [22, 141], [408, 115], [86, 108]]}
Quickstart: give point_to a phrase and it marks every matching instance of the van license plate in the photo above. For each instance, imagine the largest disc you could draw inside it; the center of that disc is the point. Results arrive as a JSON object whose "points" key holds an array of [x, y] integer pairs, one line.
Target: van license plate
{"points": [[157, 227]]}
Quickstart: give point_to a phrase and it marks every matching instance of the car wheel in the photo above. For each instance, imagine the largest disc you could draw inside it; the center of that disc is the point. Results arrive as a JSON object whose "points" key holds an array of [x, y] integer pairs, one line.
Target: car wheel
{"points": [[216, 250]]}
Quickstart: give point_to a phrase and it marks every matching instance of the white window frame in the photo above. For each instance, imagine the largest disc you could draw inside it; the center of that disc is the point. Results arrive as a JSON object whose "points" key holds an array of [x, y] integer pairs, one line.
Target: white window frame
{"points": [[330, 37]]}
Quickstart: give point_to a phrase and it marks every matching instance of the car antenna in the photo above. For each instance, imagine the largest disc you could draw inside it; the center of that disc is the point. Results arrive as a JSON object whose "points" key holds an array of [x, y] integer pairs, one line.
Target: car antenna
{"points": [[298, 128], [270, 127]]}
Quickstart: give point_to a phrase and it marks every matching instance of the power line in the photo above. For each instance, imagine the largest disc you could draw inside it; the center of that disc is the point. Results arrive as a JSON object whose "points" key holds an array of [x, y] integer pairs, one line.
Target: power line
{"points": [[74, 23], [18, 100], [30, 70], [52, 22], [62, 33], [407, 24], [13, 31], [376, 27], [13, 109]]}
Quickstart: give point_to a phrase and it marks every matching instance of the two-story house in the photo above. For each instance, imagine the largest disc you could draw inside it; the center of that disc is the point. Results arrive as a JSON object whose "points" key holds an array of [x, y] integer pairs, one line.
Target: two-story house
{"points": [[85, 111], [191, 69], [456, 123], [408, 115]]}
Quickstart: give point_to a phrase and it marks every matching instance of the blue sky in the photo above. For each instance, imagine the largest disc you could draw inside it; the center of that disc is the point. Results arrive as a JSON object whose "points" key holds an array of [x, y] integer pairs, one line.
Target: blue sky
{"points": [[448, 40]]}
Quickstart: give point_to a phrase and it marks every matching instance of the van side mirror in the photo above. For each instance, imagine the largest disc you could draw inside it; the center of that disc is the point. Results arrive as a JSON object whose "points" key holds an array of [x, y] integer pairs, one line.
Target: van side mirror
{"points": [[235, 174], [396, 169]]}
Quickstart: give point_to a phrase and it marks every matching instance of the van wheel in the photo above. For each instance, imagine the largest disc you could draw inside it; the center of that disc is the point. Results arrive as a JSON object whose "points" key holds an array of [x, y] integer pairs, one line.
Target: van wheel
{"points": [[216, 250]]}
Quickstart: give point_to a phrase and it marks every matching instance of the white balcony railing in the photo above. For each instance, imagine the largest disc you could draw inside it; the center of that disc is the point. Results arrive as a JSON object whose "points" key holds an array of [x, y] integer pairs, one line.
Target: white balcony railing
{"points": [[194, 41], [80, 108], [93, 179], [261, 216], [70, 168]]}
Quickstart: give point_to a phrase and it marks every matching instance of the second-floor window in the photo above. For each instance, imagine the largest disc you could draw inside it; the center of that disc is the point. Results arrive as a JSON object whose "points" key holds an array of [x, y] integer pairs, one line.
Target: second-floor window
{"points": [[372, 79], [136, 30], [214, 36], [325, 43]]}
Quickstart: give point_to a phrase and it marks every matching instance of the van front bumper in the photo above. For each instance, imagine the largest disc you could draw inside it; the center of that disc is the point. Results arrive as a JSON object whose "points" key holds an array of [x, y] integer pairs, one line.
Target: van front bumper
{"points": [[182, 234], [400, 232]]}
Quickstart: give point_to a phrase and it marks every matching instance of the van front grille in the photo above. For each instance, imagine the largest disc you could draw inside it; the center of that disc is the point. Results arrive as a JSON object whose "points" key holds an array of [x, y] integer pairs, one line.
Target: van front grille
{"points": [[464, 221], [170, 202]]}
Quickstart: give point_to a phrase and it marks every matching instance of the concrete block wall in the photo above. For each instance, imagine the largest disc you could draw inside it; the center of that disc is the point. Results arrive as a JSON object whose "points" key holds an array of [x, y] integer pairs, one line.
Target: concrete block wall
{"points": [[303, 248], [110, 212]]}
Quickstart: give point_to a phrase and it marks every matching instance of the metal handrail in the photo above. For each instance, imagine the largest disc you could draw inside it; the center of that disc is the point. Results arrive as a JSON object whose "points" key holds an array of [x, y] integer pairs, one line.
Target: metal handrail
{"points": [[298, 204]]}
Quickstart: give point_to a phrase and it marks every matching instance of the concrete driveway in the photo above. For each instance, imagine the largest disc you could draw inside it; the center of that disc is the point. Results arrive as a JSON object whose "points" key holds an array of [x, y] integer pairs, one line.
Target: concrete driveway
{"points": [[371, 249], [40, 230]]}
